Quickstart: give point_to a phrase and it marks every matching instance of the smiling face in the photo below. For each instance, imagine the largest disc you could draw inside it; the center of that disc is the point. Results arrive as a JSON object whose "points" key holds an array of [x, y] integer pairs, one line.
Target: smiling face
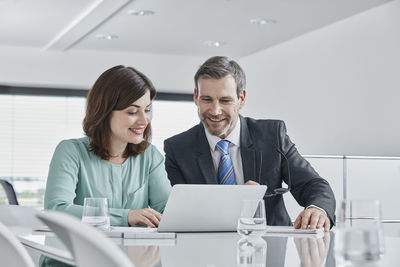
{"points": [[218, 104], [128, 125]]}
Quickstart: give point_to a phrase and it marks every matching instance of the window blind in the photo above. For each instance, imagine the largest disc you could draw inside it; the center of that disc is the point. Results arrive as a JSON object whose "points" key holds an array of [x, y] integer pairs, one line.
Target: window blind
{"points": [[32, 126]]}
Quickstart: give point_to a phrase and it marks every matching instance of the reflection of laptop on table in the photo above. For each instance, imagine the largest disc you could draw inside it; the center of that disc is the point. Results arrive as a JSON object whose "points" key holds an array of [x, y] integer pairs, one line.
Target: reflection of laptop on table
{"points": [[206, 208], [201, 250]]}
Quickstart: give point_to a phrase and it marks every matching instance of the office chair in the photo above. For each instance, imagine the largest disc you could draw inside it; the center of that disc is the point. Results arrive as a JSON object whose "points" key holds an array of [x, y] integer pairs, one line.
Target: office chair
{"points": [[12, 252], [88, 246], [12, 197], [20, 216]]}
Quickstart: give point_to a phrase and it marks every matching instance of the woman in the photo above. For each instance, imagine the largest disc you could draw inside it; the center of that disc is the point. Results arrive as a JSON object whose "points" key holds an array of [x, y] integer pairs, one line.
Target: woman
{"points": [[115, 160]]}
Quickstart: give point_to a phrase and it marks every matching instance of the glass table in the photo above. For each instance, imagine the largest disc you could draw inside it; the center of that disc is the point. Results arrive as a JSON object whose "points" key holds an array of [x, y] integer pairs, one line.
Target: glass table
{"points": [[216, 250]]}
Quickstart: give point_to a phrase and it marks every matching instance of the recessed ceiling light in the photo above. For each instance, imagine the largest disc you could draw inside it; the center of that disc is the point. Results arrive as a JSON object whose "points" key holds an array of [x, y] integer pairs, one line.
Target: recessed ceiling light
{"points": [[263, 21], [141, 12], [106, 36], [214, 43]]}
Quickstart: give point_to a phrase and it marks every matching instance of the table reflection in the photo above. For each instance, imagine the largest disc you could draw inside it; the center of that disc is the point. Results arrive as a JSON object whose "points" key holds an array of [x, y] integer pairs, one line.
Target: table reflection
{"points": [[144, 256], [198, 249], [276, 250], [45, 261], [201, 249], [314, 252], [217, 250], [141, 256], [251, 252], [222, 249]]}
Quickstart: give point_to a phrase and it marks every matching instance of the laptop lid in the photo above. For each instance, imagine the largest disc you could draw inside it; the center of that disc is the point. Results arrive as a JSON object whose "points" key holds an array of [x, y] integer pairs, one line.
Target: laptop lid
{"points": [[206, 208]]}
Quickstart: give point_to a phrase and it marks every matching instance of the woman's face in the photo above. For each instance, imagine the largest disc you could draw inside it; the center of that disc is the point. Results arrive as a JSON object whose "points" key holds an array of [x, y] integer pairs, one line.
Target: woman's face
{"points": [[128, 125]]}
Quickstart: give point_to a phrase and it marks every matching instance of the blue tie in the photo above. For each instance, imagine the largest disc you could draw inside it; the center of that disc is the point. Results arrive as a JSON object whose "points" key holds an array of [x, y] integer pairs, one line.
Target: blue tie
{"points": [[225, 168]]}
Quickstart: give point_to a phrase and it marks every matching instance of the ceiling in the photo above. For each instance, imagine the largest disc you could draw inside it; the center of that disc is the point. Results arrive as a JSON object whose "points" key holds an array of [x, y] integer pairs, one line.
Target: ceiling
{"points": [[176, 27]]}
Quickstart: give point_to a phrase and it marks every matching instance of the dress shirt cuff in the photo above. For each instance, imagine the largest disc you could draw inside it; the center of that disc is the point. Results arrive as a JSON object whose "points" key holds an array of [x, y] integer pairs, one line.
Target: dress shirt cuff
{"points": [[313, 206]]}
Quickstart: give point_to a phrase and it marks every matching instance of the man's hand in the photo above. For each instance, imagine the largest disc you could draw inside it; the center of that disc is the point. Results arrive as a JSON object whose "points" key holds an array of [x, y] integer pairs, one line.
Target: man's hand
{"points": [[144, 217], [250, 182], [313, 217]]}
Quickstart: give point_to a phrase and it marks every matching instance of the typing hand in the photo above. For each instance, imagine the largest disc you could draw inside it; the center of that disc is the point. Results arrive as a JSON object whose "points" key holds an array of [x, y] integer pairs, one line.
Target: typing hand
{"points": [[144, 217], [313, 217]]}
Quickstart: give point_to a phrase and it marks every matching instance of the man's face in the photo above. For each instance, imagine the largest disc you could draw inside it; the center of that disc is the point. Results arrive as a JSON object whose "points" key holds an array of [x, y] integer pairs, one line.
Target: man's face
{"points": [[218, 104]]}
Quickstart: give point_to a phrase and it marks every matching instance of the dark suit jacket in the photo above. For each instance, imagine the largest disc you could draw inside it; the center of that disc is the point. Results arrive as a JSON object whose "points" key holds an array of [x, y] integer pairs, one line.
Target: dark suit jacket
{"points": [[188, 161]]}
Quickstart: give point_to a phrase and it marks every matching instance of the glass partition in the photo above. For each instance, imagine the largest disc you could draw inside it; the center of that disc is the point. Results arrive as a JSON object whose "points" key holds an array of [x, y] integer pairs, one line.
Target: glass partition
{"points": [[357, 177], [331, 169], [375, 178]]}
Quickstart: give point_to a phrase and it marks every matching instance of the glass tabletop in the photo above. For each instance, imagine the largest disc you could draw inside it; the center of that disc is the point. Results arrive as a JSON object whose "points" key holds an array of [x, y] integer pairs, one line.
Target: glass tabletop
{"points": [[226, 249]]}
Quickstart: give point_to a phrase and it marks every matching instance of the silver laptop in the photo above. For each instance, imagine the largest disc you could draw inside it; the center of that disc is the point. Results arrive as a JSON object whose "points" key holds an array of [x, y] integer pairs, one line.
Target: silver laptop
{"points": [[206, 208]]}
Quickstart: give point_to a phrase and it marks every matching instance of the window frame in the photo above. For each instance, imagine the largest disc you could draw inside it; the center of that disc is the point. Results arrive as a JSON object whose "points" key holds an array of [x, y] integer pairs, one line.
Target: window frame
{"points": [[57, 91]]}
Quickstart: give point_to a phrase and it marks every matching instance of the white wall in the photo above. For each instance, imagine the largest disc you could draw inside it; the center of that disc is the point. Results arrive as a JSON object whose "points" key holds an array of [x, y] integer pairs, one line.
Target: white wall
{"points": [[79, 69], [337, 88]]}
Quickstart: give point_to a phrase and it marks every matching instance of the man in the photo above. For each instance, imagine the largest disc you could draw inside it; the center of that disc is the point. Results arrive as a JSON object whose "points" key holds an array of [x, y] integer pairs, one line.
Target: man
{"points": [[227, 148]]}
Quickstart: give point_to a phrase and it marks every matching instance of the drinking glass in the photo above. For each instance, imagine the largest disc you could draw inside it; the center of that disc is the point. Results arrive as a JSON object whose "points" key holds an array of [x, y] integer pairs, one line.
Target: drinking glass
{"points": [[359, 237], [252, 220], [95, 213]]}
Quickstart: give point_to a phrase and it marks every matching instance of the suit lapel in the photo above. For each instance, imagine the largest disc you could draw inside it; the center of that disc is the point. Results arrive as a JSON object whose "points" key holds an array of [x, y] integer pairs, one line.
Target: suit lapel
{"points": [[248, 153], [207, 169], [204, 158]]}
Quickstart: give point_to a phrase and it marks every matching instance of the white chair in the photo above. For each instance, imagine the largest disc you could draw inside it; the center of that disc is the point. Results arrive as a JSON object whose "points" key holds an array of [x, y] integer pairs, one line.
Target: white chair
{"points": [[12, 253], [88, 246], [20, 220], [19, 216]]}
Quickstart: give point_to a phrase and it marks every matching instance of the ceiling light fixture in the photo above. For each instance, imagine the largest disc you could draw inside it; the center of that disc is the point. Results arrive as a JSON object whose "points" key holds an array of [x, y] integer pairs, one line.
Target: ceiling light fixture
{"points": [[106, 36], [141, 13], [214, 43], [263, 21]]}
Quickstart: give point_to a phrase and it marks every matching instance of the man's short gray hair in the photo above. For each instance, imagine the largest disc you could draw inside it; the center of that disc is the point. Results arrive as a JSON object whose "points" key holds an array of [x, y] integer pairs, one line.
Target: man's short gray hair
{"points": [[217, 68]]}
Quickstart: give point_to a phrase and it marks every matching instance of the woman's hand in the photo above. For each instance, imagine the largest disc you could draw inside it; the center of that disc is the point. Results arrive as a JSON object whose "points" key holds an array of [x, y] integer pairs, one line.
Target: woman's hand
{"points": [[144, 217]]}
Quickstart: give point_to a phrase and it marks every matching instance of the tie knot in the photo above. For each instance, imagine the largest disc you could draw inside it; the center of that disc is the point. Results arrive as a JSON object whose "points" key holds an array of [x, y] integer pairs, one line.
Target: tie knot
{"points": [[223, 146]]}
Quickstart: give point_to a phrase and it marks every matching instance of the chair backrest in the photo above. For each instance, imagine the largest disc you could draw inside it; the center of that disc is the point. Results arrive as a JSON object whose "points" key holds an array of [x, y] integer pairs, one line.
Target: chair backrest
{"points": [[12, 197], [12, 252], [88, 245], [19, 216]]}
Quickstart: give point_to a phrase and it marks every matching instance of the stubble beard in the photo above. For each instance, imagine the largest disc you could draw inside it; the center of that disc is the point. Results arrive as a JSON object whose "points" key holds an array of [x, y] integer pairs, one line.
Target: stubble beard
{"points": [[218, 134]]}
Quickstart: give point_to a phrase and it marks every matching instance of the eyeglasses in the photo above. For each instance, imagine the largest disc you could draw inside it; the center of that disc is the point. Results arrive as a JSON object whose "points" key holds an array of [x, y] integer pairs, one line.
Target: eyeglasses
{"points": [[278, 191]]}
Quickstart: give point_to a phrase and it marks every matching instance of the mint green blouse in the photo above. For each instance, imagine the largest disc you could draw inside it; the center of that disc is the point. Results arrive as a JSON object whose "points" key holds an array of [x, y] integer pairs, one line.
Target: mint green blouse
{"points": [[76, 172]]}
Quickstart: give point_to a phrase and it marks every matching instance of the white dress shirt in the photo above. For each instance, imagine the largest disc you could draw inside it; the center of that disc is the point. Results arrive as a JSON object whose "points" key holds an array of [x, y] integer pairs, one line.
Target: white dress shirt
{"points": [[234, 151]]}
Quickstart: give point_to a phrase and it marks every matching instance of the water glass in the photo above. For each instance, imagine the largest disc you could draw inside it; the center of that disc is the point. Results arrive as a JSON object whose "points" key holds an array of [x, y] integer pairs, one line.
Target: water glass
{"points": [[96, 213], [251, 252], [359, 237], [252, 221]]}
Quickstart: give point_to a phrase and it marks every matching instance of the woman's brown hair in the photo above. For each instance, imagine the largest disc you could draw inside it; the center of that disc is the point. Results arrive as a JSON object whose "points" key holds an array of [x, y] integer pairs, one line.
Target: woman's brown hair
{"points": [[115, 89]]}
